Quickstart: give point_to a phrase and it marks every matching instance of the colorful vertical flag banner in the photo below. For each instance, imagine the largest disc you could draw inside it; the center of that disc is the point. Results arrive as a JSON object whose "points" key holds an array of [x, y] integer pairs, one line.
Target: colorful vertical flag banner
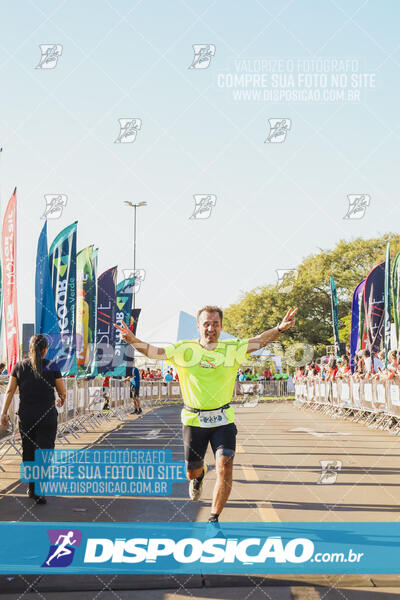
{"points": [[133, 327], [387, 319], [9, 246], [123, 351], [46, 319], [1, 296], [355, 338], [28, 329], [106, 317], [335, 317], [62, 263], [374, 302], [134, 319], [363, 338], [92, 301], [85, 310], [1, 280], [396, 295]]}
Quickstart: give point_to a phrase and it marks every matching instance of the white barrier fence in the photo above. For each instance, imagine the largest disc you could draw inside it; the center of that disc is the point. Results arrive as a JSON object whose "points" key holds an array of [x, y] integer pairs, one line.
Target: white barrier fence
{"points": [[266, 388], [87, 404], [375, 403]]}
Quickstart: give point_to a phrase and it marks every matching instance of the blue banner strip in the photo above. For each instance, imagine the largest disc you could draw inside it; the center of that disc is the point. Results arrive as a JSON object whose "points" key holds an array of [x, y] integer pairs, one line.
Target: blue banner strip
{"points": [[226, 548]]}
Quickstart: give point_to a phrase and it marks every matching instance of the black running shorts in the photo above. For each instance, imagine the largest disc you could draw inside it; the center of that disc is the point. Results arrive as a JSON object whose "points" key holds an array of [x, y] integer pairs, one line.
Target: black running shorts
{"points": [[196, 439]]}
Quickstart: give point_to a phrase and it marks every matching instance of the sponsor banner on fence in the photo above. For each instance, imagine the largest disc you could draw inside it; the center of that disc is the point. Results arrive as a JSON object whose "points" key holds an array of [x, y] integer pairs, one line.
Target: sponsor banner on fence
{"points": [[208, 548]]}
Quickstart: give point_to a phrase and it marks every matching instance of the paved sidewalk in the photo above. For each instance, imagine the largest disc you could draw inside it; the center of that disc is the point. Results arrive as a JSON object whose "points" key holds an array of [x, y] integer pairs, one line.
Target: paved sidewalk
{"points": [[276, 474]]}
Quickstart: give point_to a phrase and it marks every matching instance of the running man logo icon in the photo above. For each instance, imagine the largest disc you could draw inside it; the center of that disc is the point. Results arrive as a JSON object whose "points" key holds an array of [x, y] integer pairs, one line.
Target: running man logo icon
{"points": [[203, 54], [286, 280], [278, 129], [50, 55], [204, 204], [54, 205], [128, 129], [329, 471], [358, 204], [139, 276], [62, 547]]}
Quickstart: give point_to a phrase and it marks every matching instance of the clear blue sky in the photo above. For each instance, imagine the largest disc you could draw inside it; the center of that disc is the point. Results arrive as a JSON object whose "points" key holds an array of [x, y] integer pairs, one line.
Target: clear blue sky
{"points": [[276, 203]]}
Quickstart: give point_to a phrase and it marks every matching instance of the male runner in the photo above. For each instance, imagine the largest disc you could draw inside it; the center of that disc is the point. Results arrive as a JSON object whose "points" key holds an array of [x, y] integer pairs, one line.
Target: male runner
{"points": [[207, 371], [135, 388]]}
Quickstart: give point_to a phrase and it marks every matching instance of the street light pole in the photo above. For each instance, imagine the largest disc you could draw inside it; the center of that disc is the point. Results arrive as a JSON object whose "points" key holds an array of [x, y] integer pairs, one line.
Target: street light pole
{"points": [[134, 206], [134, 253]]}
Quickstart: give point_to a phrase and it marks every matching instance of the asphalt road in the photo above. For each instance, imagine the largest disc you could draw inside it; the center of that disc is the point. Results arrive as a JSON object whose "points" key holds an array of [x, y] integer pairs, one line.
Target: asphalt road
{"points": [[276, 475]]}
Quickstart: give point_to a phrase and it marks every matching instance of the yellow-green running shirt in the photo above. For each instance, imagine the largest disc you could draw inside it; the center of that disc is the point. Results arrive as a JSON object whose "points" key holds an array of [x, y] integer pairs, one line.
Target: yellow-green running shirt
{"points": [[207, 377]]}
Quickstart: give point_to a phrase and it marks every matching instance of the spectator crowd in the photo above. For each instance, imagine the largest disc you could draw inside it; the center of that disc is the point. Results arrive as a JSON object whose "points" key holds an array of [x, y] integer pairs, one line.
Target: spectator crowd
{"points": [[266, 375], [156, 375], [366, 368]]}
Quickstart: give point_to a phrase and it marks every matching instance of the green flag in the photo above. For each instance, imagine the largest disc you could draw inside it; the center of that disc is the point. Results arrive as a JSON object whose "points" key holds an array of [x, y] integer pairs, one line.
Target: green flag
{"points": [[335, 318], [85, 316], [396, 295], [62, 264]]}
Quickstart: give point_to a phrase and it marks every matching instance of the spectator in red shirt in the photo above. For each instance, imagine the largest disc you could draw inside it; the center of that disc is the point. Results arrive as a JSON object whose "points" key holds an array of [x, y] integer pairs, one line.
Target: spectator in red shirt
{"points": [[268, 373], [332, 370], [344, 370]]}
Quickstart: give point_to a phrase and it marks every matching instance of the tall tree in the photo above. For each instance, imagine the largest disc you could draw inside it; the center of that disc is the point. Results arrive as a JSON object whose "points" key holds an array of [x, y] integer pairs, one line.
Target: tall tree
{"points": [[349, 262]]}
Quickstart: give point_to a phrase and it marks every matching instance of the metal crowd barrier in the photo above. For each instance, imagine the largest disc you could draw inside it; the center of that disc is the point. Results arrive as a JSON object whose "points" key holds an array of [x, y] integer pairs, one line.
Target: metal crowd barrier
{"points": [[159, 392], [10, 440], [261, 388], [86, 406], [374, 403]]}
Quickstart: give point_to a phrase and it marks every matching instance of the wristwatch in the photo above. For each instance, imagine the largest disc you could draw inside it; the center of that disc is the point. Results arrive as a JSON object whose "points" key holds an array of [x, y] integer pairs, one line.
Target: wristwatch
{"points": [[279, 330]]}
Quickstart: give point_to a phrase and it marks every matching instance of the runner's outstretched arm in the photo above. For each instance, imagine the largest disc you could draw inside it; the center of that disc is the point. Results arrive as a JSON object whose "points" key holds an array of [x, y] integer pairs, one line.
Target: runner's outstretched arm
{"points": [[143, 347], [273, 334]]}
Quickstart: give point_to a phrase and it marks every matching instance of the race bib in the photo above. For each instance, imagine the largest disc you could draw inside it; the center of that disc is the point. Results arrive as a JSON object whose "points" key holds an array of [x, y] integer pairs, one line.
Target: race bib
{"points": [[213, 418]]}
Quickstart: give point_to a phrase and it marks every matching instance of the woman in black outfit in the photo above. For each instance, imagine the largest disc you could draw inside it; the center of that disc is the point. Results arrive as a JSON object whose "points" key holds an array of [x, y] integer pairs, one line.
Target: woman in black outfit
{"points": [[37, 412]]}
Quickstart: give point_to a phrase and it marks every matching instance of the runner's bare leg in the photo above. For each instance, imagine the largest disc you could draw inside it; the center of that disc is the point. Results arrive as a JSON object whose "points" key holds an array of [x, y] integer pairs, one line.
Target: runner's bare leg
{"points": [[223, 485], [194, 473]]}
